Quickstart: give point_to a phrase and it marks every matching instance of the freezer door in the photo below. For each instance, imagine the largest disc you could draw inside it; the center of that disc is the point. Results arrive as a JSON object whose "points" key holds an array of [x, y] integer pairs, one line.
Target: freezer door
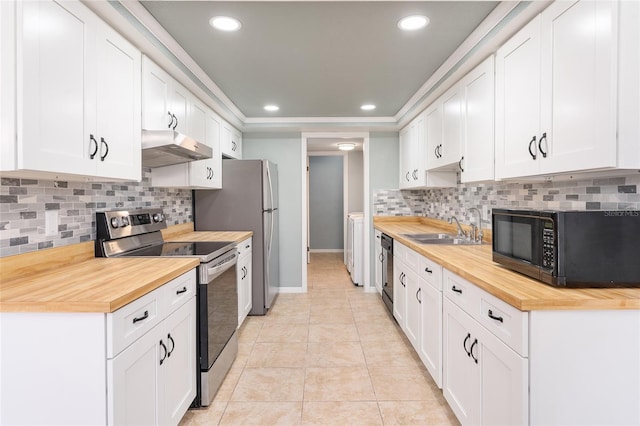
{"points": [[270, 185]]}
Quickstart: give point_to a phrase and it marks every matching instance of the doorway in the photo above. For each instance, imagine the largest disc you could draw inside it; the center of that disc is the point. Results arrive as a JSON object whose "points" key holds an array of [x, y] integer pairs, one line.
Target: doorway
{"points": [[324, 217]]}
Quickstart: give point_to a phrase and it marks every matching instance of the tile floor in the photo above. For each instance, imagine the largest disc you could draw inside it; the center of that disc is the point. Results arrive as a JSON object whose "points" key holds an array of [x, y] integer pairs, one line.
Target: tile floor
{"points": [[332, 356]]}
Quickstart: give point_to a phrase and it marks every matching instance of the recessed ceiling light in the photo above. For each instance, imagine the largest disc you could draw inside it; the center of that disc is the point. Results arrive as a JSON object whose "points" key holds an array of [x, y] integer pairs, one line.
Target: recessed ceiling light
{"points": [[225, 23], [271, 108], [346, 146], [414, 22], [368, 107]]}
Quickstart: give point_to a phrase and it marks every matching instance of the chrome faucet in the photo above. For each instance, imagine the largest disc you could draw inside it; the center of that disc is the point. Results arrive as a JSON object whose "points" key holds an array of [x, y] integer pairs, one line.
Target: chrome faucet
{"points": [[461, 233], [477, 229]]}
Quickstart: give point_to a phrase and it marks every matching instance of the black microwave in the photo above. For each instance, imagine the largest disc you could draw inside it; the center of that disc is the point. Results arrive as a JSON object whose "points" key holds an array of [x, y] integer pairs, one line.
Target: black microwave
{"points": [[570, 248]]}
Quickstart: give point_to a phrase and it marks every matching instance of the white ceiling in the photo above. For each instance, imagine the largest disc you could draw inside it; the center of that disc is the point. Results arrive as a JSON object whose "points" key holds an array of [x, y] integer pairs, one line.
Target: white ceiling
{"points": [[331, 144], [319, 59]]}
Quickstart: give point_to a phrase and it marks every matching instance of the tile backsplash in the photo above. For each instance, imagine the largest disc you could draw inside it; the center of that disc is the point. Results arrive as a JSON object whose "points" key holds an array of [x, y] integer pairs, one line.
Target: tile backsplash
{"points": [[24, 203], [612, 193]]}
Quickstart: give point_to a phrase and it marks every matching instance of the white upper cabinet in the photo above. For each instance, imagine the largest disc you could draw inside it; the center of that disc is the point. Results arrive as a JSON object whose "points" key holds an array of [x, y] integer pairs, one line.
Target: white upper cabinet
{"points": [[231, 142], [168, 105], [557, 92], [444, 130], [477, 163], [78, 96]]}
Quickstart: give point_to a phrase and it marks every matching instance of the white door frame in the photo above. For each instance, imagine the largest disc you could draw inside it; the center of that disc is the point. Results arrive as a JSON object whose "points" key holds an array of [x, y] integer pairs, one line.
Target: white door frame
{"points": [[368, 285]]}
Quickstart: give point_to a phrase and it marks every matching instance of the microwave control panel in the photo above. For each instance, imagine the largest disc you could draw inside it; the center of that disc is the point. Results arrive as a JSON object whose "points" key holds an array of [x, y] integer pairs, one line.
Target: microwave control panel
{"points": [[548, 245]]}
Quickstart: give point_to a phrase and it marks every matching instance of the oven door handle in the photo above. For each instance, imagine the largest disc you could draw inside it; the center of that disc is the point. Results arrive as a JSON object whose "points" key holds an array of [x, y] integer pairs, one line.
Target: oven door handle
{"points": [[216, 271]]}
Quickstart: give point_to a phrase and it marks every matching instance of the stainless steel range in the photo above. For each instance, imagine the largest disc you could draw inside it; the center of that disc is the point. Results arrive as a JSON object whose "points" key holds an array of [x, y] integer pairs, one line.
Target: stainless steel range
{"points": [[137, 233]]}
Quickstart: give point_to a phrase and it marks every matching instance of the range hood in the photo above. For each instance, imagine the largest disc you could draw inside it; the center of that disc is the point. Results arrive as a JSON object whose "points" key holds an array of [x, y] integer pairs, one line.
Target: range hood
{"points": [[167, 147]]}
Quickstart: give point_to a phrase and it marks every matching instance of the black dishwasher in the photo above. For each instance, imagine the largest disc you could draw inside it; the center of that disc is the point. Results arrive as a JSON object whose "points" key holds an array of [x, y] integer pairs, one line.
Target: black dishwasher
{"points": [[387, 271]]}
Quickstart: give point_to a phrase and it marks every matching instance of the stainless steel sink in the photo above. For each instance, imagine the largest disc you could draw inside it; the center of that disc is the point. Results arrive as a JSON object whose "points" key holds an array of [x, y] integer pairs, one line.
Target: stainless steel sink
{"points": [[446, 239]]}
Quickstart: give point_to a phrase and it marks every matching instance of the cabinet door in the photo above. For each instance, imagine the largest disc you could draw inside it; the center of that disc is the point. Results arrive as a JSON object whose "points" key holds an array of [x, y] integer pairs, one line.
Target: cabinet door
{"points": [[461, 375], [518, 103], [156, 86], [578, 85], [451, 126], [178, 371], [58, 87], [213, 140], [247, 283], [118, 106], [478, 123], [433, 133], [405, 157], [236, 143], [179, 101], [430, 348], [504, 382], [133, 384], [378, 261], [413, 326], [399, 291], [418, 160]]}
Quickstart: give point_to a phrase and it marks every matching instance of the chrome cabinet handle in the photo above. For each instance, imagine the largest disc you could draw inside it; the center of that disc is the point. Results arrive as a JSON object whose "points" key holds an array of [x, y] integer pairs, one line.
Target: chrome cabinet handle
{"points": [[95, 146], [418, 294], [460, 164], [533, 142], [171, 116], [176, 123]]}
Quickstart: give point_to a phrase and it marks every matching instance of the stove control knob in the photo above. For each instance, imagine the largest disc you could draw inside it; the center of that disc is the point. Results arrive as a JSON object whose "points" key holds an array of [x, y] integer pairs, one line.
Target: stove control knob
{"points": [[125, 221], [115, 222], [157, 217]]}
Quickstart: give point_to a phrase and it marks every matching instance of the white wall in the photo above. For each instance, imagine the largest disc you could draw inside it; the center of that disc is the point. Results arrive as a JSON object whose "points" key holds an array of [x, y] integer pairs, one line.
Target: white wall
{"points": [[284, 150]]}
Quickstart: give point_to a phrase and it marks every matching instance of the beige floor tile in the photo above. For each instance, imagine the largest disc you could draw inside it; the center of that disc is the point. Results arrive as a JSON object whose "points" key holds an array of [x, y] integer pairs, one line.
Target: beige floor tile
{"points": [[422, 413], [406, 383], [288, 316], [381, 354], [336, 354], [380, 331], [278, 355], [327, 315], [270, 384], [210, 415], [249, 330], [229, 383], [262, 413], [278, 332], [338, 384], [333, 333], [244, 349], [341, 413], [323, 293]]}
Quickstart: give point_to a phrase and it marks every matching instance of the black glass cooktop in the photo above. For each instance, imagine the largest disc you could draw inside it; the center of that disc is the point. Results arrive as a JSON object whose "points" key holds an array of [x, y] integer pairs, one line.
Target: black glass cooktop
{"points": [[205, 250]]}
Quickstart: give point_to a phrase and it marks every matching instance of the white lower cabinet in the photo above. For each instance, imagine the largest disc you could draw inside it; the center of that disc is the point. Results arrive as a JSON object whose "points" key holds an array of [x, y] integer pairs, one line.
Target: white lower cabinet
{"points": [[485, 382], [245, 280], [134, 366], [417, 305]]}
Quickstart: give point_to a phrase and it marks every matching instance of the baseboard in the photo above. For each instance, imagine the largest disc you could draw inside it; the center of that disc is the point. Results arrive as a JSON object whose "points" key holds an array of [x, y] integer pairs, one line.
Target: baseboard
{"points": [[326, 251]]}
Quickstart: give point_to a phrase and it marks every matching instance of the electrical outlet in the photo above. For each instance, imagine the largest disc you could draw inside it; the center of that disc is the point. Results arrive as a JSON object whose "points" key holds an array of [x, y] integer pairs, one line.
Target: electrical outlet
{"points": [[51, 222]]}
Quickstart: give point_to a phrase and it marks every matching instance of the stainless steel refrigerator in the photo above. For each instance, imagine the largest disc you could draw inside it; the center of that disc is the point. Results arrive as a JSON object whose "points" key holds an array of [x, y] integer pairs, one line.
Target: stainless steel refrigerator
{"points": [[248, 201]]}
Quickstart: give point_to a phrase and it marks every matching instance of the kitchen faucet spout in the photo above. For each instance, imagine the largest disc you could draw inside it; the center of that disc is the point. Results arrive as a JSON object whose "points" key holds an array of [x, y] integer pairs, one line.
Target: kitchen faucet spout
{"points": [[461, 233], [477, 231]]}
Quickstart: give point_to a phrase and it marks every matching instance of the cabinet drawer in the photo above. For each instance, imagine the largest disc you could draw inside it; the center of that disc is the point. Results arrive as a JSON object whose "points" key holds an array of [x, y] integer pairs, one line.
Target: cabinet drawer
{"points": [[244, 247], [430, 271], [408, 256], [461, 292], [178, 291], [133, 320], [508, 323]]}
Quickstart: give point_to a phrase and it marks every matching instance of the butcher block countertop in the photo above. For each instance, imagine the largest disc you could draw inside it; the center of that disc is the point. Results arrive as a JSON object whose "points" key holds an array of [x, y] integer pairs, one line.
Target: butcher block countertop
{"points": [[475, 264], [71, 279]]}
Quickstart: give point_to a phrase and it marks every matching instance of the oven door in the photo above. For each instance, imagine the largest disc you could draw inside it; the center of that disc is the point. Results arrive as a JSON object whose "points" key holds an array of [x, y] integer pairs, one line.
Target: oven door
{"points": [[518, 241], [218, 308]]}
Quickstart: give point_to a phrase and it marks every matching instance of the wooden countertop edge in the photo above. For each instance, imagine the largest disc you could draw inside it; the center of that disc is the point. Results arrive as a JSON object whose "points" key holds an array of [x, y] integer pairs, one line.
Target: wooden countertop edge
{"points": [[559, 299]]}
